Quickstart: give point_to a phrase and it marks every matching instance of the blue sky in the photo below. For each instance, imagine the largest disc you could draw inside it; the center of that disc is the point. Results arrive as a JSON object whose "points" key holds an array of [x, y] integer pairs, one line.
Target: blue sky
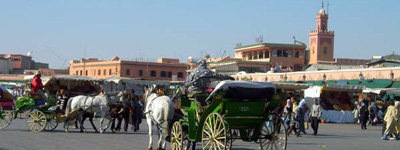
{"points": [[59, 31]]}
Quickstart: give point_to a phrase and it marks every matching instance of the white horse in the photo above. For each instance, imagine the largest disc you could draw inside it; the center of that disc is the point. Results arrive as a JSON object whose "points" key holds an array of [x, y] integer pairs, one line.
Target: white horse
{"points": [[160, 112], [97, 104]]}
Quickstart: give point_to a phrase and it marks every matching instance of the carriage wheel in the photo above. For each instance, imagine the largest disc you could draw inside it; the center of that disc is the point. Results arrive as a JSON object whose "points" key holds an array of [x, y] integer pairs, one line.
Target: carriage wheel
{"points": [[229, 140], [177, 136], [51, 122], [214, 133], [36, 121], [273, 135], [5, 120]]}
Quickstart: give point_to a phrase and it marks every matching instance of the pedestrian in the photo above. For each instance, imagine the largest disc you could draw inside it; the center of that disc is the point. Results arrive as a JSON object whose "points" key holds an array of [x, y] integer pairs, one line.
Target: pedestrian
{"points": [[302, 121], [364, 115], [392, 117], [356, 112], [298, 115], [373, 114], [315, 115], [287, 114]]}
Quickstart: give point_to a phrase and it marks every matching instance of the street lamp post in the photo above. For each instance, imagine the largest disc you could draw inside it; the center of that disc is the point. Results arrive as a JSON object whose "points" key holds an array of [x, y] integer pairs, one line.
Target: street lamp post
{"points": [[391, 75], [285, 78], [304, 78], [324, 77]]}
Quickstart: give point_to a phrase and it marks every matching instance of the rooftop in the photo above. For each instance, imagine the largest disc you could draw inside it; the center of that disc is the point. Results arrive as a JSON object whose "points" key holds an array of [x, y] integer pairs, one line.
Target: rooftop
{"points": [[270, 45]]}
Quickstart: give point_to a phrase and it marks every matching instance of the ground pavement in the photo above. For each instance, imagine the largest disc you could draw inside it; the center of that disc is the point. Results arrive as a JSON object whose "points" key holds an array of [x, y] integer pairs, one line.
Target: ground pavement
{"points": [[331, 137]]}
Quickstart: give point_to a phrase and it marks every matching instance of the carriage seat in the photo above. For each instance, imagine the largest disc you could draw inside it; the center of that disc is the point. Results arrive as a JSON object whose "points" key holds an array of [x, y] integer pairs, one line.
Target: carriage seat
{"points": [[240, 90], [7, 104]]}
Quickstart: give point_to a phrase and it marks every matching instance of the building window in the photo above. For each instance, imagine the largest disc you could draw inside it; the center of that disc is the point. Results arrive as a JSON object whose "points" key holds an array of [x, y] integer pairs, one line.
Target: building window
{"points": [[255, 55], [153, 73], [266, 54], [274, 53], [104, 72], [313, 50], [280, 53], [86, 73], [109, 72], [140, 72], [260, 55], [99, 72], [325, 50], [249, 56], [163, 74], [169, 74], [297, 54], [128, 72], [76, 72], [285, 53], [180, 75]]}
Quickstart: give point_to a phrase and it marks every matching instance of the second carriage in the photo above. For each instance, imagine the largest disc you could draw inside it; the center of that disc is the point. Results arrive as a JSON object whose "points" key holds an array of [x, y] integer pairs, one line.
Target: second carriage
{"points": [[233, 110]]}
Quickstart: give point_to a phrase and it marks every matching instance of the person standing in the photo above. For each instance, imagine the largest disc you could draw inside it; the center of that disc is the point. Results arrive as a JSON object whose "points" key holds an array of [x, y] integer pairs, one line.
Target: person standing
{"points": [[315, 115], [373, 114], [304, 109], [287, 114], [364, 116], [392, 117]]}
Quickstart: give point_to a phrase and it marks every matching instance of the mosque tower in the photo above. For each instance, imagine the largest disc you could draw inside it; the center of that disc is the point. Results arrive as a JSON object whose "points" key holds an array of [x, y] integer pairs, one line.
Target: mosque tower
{"points": [[321, 40]]}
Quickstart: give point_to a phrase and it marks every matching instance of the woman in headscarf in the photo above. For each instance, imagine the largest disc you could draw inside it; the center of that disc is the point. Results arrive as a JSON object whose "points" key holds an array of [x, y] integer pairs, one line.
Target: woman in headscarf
{"points": [[373, 114], [392, 121]]}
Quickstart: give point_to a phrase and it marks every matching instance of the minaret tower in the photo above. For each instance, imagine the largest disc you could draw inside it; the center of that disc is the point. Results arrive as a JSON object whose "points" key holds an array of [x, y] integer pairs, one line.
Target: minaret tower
{"points": [[321, 40]]}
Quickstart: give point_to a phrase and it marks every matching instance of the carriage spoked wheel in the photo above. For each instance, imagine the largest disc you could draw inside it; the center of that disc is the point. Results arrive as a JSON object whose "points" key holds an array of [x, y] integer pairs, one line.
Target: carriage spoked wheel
{"points": [[36, 121], [273, 135], [5, 120], [214, 136], [51, 122], [177, 137], [229, 140]]}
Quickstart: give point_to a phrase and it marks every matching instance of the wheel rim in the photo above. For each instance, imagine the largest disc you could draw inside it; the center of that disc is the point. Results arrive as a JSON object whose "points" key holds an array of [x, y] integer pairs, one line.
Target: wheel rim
{"points": [[36, 121], [51, 122], [273, 135], [214, 133], [6, 121], [177, 136], [229, 140]]}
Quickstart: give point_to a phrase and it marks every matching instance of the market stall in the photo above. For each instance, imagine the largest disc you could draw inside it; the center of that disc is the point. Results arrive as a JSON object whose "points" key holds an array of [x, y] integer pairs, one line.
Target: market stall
{"points": [[337, 101]]}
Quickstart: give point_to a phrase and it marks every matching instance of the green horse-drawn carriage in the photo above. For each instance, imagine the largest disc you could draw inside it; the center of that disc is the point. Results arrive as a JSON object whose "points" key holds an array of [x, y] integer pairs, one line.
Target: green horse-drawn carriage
{"points": [[40, 115], [233, 110]]}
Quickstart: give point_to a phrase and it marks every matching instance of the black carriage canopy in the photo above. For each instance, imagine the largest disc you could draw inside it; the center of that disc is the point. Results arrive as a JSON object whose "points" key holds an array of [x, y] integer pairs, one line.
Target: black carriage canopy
{"points": [[244, 90]]}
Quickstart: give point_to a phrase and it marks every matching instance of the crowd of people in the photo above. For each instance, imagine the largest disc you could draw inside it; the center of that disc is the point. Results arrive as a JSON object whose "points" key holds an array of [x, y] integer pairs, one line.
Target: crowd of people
{"points": [[297, 115]]}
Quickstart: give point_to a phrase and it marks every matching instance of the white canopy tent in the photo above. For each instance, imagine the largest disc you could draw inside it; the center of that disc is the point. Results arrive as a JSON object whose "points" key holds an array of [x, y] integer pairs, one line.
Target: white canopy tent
{"points": [[332, 115]]}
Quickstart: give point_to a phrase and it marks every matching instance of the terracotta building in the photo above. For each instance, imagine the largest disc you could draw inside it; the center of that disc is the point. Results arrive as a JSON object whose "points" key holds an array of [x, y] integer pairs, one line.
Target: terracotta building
{"points": [[22, 63], [288, 56], [163, 69]]}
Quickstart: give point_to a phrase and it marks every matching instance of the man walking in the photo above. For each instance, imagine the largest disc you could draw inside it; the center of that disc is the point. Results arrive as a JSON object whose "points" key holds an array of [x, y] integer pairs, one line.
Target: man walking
{"points": [[315, 115]]}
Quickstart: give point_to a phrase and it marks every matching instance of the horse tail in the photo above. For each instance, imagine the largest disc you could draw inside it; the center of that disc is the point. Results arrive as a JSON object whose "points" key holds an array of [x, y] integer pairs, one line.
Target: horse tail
{"points": [[68, 109]]}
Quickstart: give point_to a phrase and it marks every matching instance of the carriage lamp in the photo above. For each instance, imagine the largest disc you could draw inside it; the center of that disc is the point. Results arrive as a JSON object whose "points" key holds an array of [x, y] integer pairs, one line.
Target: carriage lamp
{"points": [[266, 78], [304, 78], [391, 75], [361, 76], [324, 77]]}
